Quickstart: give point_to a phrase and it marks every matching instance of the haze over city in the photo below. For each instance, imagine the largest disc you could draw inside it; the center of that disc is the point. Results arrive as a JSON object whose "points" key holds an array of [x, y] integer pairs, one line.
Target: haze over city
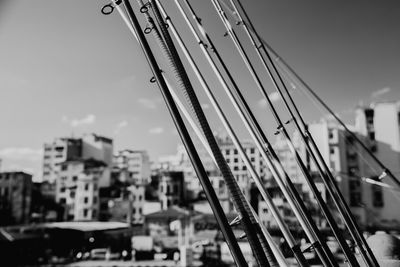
{"points": [[66, 69]]}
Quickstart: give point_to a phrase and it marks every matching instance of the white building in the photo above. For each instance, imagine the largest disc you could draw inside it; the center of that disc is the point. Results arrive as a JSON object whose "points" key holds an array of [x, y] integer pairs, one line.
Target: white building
{"points": [[77, 189], [135, 163], [60, 150], [90, 146], [380, 124], [171, 189]]}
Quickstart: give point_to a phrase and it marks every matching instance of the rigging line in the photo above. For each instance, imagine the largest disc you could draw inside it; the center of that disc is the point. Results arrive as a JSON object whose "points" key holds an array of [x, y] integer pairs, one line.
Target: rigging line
{"points": [[261, 250], [289, 71], [286, 68], [187, 142], [282, 129], [308, 140], [277, 253], [282, 225], [357, 148], [263, 146]]}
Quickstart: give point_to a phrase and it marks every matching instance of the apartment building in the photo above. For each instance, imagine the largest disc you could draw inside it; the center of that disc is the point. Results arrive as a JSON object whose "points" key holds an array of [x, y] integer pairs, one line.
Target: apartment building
{"points": [[15, 197], [133, 166], [90, 146], [171, 189], [77, 188]]}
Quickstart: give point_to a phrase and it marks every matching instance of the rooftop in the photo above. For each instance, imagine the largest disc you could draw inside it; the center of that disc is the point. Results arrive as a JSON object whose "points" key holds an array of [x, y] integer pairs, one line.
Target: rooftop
{"points": [[87, 226]]}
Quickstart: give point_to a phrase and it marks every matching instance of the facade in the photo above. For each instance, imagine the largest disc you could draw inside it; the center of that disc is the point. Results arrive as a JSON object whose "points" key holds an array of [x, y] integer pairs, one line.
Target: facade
{"points": [[77, 189], [90, 146], [237, 166], [379, 124], [133, 166], [15, 197], [171, 189], [60, 150]]}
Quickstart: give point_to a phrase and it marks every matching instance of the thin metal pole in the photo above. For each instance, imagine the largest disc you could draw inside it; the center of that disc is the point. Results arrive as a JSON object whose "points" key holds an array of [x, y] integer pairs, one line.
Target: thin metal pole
{"points": [[282, 129], [282, 225], [316, 155], [261, 250], [186, 140], [273, 163], [277, 253], [285, 67]]}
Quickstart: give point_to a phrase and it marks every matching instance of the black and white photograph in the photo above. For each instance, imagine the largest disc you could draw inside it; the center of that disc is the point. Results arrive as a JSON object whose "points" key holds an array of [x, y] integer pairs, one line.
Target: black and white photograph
{"points": [[199, 133]]}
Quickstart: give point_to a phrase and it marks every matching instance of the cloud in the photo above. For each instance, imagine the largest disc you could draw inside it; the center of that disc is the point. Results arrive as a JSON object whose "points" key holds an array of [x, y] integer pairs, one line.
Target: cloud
{"points": [[149, 103], [21, 153], [119, 126], [89, 119], [380, 92], [205, 106], [274, 97], [156, 130]]}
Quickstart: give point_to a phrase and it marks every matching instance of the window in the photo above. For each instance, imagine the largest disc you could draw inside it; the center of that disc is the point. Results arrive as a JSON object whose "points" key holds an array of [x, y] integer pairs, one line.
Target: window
{"points": [[86, 200], [236, 168], [252, 150], [133, 210], [85, 212], [94, 213], [331, 150], [175, 189], [140, 210], [94, 200], [62, 201], [330, 134], [227, 152], [86, 187], [62, 189], [244, 168], [235, 151], [140, 197], [74, 178], [252, 159], [377, 197], [64, 167], [235, 160], [227, 160]]}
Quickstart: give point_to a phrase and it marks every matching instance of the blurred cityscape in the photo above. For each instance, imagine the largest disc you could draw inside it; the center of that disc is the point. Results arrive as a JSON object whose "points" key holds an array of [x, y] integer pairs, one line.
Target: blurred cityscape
{"points": [[95, 203]]}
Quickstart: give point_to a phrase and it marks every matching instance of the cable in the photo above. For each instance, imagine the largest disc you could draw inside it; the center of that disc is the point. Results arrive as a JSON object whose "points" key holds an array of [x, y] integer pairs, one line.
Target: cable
{"points": [[256, 239], [286, 233], [184, 135], [270, 157], [312, 148]]}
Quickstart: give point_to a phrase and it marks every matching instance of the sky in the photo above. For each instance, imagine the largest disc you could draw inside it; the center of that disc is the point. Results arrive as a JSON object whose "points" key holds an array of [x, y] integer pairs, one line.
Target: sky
{"points": [[66, 69]]}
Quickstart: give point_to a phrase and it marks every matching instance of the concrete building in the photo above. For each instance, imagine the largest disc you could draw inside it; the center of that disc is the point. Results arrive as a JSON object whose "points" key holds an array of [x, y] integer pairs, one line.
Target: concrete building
{"points": [[15, 197], [60, 150], [78, 188], [133, 166], [171, 189], [380, 126], [90, 146], [238, 168]]}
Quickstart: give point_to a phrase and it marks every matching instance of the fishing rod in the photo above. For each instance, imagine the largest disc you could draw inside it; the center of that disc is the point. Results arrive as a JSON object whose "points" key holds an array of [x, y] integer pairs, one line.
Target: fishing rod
{"points": [[281, 224], [186, 139], [277, 253], [261, 250], [282, 129], [307, 138], [286, 68], [263, 146]]}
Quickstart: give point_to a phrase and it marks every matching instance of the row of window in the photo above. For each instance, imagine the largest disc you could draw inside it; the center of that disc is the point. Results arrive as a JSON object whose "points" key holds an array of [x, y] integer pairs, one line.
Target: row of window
{"points": [[235, 151]]}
